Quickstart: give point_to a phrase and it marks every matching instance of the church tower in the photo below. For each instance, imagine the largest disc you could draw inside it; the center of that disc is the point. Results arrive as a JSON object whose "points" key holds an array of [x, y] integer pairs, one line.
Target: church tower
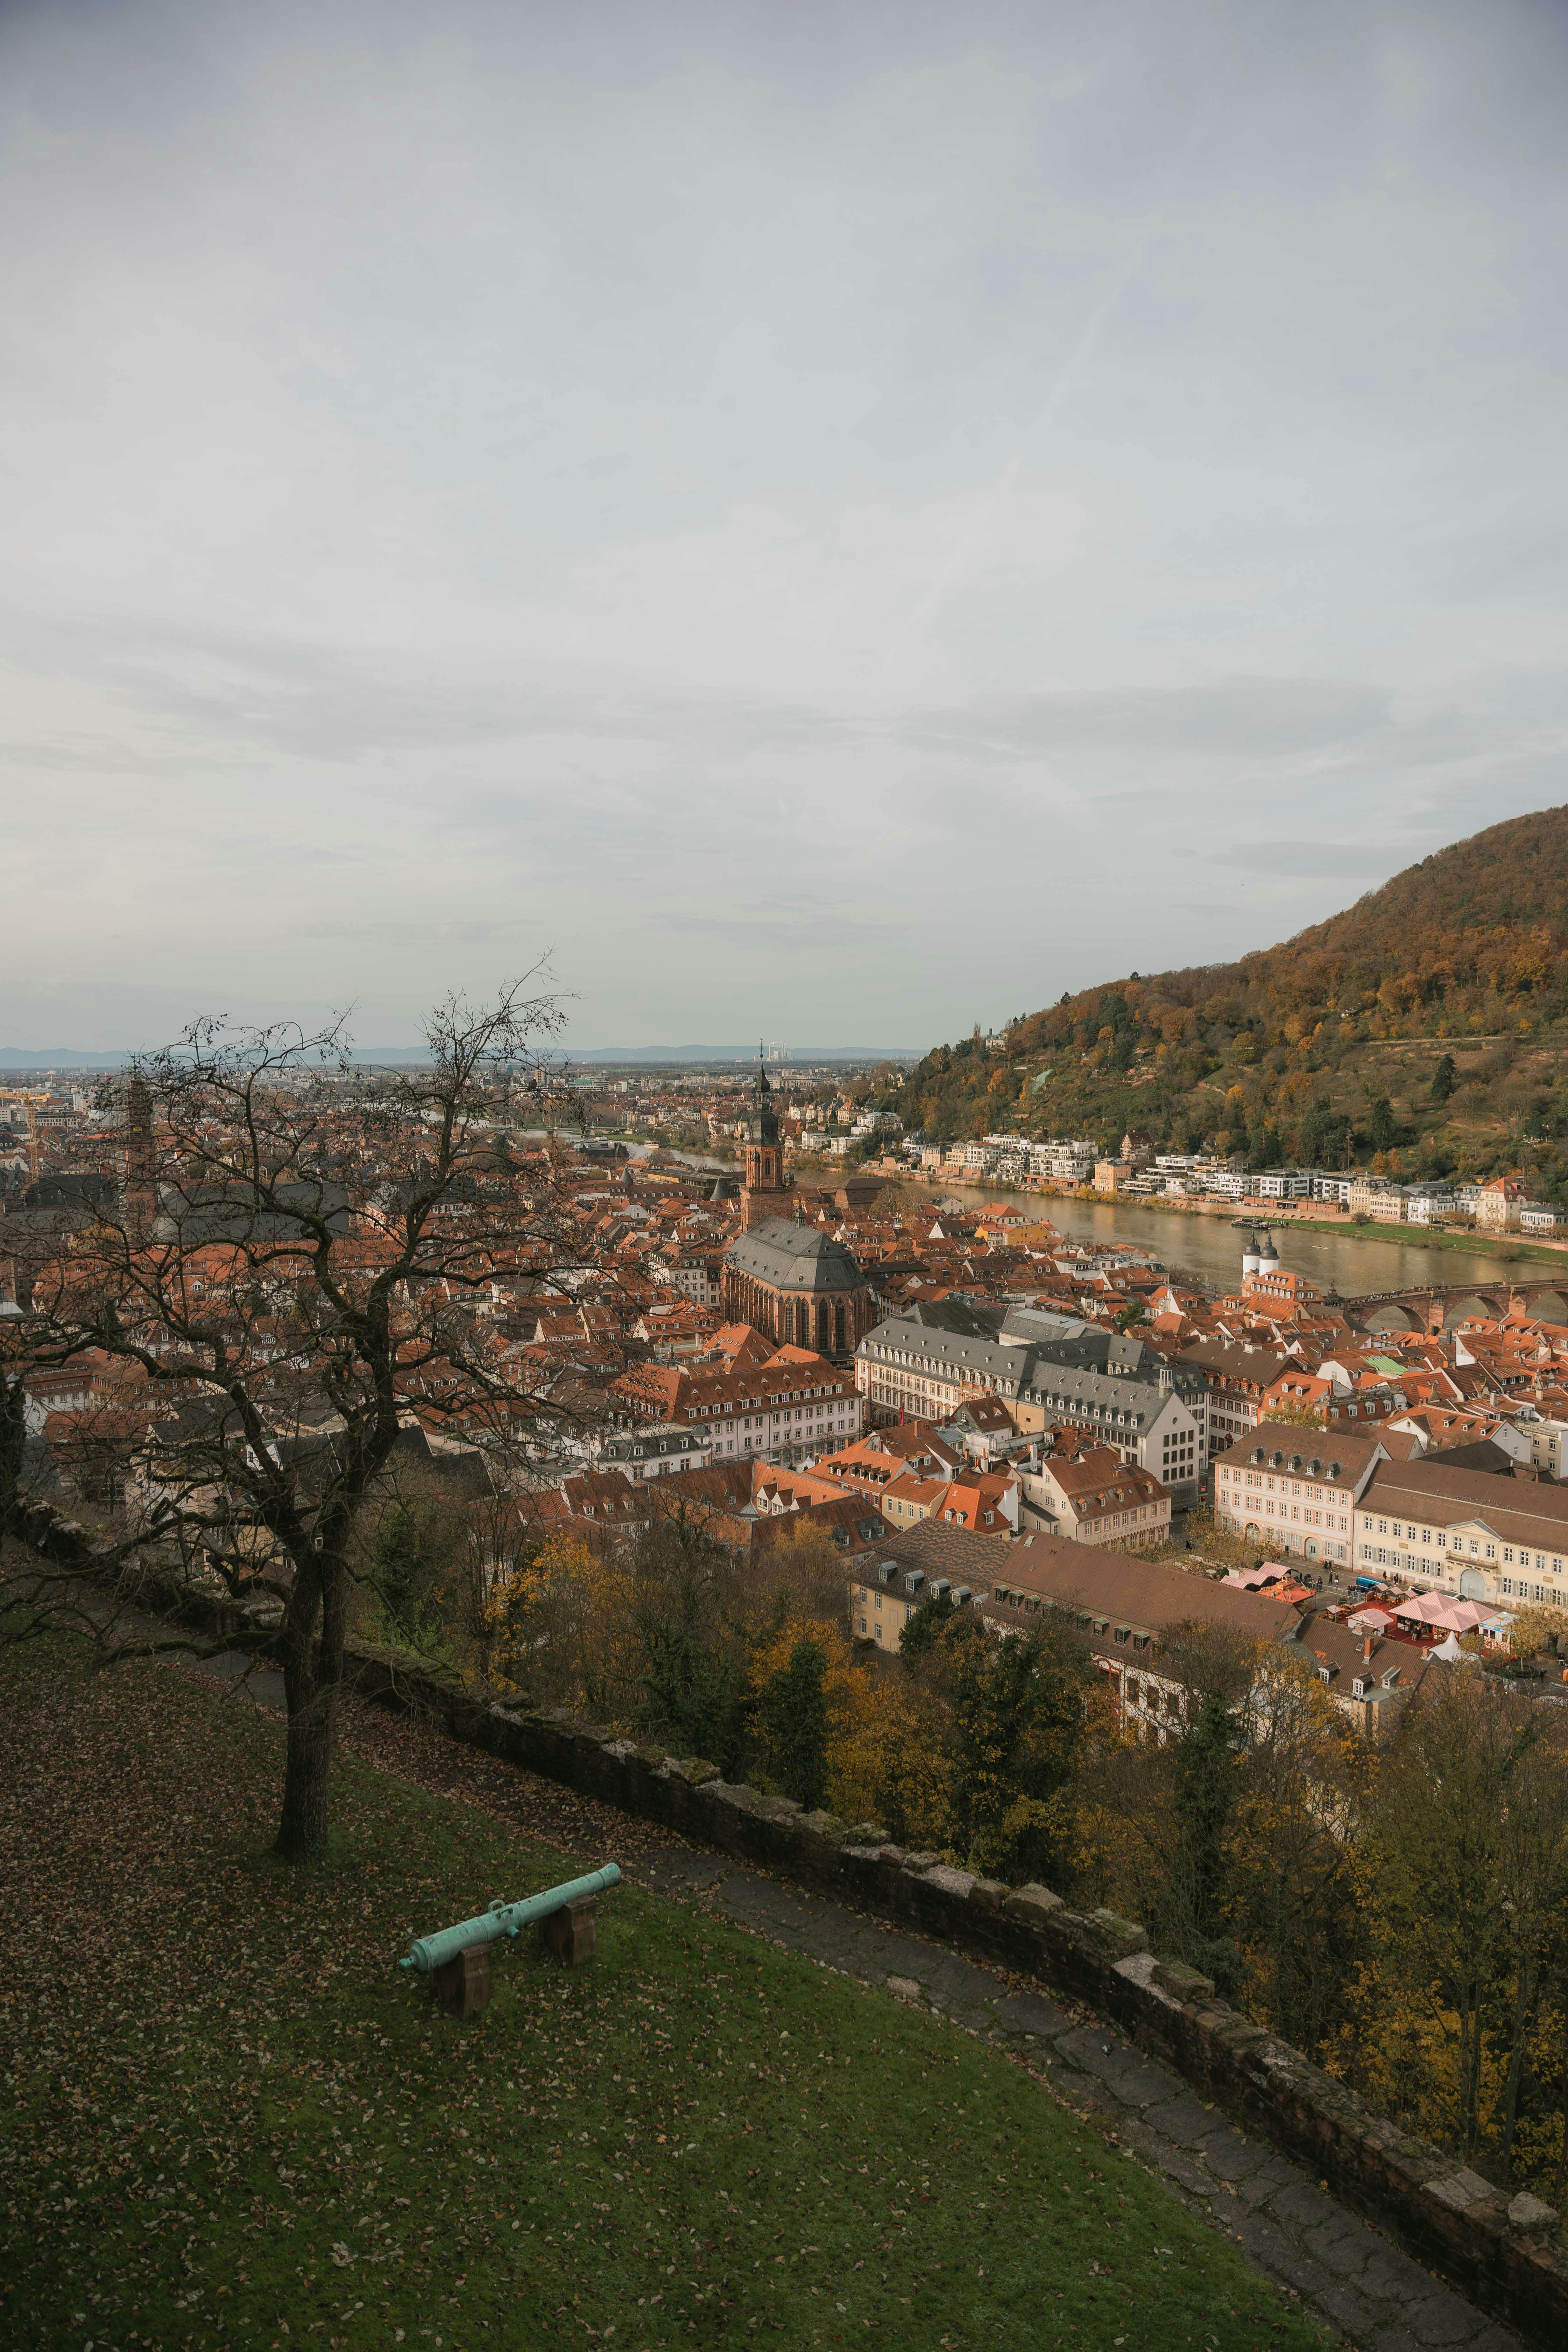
{"points": [[140, 1196], [766, 1190]]}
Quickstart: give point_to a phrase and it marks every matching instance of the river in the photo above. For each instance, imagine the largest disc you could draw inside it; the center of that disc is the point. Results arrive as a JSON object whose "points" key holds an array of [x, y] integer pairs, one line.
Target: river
{"points": [[1210, 1246]]}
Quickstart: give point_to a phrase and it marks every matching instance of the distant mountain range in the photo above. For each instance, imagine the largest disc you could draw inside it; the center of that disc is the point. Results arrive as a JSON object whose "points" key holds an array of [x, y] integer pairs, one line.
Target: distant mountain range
{"points": [[76, 1057], [661, 1054]]}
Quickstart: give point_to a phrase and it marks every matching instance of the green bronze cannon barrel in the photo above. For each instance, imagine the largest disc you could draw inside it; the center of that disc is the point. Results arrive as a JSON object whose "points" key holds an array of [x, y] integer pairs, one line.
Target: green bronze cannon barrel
{"points": [[429, 1952]]}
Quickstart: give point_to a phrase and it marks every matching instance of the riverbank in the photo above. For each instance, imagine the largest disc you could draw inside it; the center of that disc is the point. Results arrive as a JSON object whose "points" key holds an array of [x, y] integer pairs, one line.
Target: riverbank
{"points": [[1204, 1247], [1509, 1247], [1506, 1247]]}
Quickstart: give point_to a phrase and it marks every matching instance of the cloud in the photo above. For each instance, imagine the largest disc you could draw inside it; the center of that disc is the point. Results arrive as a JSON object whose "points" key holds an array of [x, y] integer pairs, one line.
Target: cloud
{"points": [[839, 931], [1232, 718], [770, 505], [1286, 860]]}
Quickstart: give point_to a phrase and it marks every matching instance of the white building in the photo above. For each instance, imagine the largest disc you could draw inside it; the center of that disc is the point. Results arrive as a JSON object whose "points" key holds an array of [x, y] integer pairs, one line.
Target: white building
{"points": [[1426, 1205], [1284, 1184], [650, 1453]]}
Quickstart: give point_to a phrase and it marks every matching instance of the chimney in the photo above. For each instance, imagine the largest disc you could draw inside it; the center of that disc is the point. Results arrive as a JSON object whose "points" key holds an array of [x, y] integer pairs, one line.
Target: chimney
{"points": [[1366, 1639]]}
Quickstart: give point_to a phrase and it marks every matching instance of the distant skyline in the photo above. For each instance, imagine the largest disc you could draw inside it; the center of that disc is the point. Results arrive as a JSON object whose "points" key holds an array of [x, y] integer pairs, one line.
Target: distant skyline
{"points": [[840, 523], [792, 1056]]}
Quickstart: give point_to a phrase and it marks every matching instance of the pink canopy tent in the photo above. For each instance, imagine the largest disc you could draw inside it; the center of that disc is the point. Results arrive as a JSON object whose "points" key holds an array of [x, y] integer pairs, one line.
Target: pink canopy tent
{"points": [[1276, 1575], [1443, 1615]]}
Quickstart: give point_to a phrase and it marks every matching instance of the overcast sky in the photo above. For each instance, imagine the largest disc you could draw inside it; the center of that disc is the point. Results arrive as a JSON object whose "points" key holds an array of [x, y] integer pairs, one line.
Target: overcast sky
{"points": [[834, 523]]}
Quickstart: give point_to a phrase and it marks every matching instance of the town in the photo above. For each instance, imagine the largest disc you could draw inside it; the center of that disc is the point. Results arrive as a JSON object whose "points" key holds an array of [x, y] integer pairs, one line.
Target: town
{"points": [[783, 1180], [925, 1379]]}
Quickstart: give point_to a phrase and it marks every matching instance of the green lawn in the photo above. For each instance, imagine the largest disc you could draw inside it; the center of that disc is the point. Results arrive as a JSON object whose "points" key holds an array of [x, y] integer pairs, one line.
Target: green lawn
{"points": [[229, 2118], [1509, 1247]]}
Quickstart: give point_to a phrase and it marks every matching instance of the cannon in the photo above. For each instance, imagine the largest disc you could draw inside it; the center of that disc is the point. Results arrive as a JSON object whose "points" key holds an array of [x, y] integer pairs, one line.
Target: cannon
{"points": [[458, 1957]]}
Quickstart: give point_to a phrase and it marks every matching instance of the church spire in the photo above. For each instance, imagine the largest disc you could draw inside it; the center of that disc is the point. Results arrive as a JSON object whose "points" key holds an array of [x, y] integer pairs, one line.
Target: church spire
{"points": [[765, 1120], [766, 1190]]}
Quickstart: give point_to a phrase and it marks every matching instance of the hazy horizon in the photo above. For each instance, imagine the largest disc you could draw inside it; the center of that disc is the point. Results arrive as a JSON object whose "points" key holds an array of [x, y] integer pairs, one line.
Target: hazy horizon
{"points": [[821, 524]]}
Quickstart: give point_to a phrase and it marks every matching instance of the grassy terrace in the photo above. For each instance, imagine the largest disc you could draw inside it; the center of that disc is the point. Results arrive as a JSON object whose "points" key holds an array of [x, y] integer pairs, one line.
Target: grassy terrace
{"points": [[229, 2119], [1506, 1247]]}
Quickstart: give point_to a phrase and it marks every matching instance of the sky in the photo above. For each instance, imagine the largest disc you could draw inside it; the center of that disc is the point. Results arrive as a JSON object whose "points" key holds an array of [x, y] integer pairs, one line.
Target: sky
{"points": [[816, 523]]}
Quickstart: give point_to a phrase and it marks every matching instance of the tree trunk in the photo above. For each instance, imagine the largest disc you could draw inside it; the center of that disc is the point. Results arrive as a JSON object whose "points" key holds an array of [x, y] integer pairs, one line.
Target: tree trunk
{"points": [[13, 1450], [312, 1674], [1523, 2016], [312, 1731], [1470, 2050], [1561, 2183]]}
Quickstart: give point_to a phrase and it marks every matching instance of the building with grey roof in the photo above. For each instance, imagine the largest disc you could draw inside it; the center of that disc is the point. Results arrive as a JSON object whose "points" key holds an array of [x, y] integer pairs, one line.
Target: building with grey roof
{"points": [[798, 1285], [1127, 1395]]}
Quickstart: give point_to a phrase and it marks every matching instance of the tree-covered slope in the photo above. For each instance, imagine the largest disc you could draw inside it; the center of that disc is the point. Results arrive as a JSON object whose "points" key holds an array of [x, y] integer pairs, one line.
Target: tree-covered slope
{"points": [[1424, 1025]]}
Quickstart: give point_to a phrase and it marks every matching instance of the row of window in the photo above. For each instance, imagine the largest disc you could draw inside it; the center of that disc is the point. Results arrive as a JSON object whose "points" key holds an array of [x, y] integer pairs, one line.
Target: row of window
{"points": [[1266, 1484], [1545, 1562], [1405, 1564], [1107, 1412], [1255, 1533], [710, 1411], [1281, 1512], [1152, 1696]]}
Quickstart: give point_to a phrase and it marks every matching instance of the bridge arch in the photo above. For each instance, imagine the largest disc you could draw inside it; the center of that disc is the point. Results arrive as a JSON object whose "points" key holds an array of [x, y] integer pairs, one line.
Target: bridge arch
{"points": [[1467, 1308], [1392, 1316]]}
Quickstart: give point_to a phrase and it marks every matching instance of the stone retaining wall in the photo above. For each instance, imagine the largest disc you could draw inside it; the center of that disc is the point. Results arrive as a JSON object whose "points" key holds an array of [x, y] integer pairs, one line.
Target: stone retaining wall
{"points": [[1506, 2253]]}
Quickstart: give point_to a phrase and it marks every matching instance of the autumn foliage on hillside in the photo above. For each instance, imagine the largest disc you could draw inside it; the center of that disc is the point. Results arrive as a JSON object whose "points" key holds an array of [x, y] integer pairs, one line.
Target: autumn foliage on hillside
{"points": [[1331, 1047]]}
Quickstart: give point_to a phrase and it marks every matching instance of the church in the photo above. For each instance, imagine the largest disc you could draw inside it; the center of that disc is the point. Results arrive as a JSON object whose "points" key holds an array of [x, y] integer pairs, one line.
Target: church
{"points": [[798, 1286]]}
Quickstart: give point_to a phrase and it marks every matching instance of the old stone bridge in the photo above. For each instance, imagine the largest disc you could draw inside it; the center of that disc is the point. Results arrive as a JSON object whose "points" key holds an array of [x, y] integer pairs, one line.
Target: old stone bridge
{"points": [[1445, 1306]]}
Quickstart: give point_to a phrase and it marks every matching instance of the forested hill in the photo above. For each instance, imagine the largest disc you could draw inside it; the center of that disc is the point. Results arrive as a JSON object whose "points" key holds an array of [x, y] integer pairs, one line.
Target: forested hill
{"points": [[1424, 1025]]}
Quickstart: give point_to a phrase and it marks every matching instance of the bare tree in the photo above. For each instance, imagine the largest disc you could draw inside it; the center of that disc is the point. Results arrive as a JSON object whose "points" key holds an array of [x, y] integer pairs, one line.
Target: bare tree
{"points": [[288, 1274]]}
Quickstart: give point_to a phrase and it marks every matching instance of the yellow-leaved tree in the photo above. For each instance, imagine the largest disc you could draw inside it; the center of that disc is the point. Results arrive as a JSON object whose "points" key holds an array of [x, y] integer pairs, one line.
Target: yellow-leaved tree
{"points": [[882, 1734], [562, 1625]]}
